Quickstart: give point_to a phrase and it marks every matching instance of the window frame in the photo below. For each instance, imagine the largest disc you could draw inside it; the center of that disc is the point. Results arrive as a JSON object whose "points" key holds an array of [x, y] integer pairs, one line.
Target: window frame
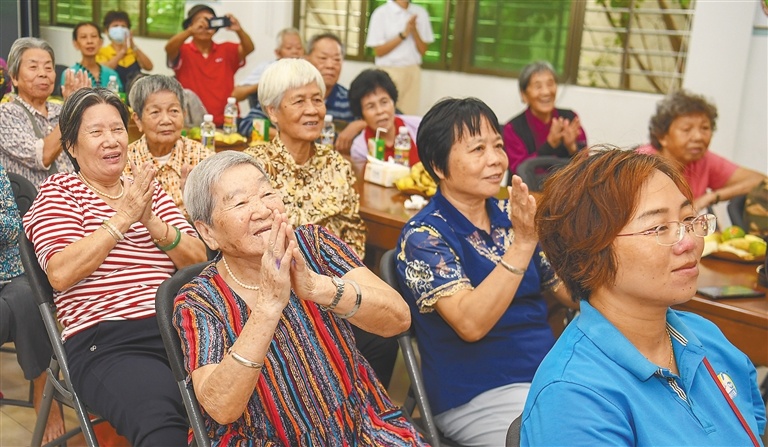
{"points": [[139, 29]]}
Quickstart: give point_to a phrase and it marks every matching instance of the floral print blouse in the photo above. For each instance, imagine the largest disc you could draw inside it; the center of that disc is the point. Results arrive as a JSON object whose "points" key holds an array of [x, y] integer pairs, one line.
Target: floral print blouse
{"points": [[320, 191], [185, 152], [10, 228]]}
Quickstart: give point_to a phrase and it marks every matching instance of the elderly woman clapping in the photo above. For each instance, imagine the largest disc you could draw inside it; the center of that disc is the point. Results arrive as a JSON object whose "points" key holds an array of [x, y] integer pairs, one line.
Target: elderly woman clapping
{"points": [[158, 103], [30, 138], [266, 328], [107, 242]]}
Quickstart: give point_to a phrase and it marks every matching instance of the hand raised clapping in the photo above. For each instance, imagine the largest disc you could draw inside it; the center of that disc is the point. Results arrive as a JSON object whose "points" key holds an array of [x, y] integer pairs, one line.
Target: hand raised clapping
{"points": [[522, 209], [136, 203]]}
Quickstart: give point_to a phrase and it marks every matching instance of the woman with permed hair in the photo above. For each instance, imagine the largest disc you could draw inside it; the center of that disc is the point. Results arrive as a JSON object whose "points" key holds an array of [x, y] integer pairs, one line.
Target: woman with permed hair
{"points": [[681, 131]]}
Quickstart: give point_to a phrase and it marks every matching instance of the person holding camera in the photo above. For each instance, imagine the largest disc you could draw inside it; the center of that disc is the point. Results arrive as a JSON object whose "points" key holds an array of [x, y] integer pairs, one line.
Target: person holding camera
{"points": [[204, 66]]}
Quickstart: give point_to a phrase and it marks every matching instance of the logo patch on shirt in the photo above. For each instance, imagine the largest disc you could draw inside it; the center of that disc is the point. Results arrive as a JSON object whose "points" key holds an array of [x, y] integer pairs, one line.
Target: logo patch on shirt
{"points": [[728, 384], [219, 60]]}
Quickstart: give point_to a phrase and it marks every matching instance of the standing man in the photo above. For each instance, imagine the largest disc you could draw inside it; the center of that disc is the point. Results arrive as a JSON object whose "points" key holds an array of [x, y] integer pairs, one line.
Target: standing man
{"points": [[203, 66], [399, 33], [289, 44]]}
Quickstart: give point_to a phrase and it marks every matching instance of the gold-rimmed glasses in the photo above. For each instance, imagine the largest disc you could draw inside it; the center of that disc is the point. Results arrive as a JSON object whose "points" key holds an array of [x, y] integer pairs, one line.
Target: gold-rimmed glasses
{"points": [[670, 233]]}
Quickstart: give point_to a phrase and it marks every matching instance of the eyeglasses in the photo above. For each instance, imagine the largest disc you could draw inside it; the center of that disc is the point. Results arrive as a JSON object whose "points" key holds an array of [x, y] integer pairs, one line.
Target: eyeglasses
{"points": [[671, 233]]}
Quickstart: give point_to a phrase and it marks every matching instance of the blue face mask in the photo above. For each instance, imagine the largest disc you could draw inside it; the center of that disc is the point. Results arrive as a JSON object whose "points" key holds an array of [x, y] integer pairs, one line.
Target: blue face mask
{"points": [[117, 34]]}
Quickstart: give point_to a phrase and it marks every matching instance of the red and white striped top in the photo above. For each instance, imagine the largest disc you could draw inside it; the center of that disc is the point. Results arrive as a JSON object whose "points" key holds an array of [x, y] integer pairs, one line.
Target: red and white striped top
{"points": [[124, 286]]}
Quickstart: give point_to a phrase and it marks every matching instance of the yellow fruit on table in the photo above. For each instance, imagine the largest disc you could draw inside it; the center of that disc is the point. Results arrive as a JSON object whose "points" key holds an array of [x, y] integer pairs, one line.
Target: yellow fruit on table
{"points": [[757, 248], [714, 237], [740, 243], [732, 232]]}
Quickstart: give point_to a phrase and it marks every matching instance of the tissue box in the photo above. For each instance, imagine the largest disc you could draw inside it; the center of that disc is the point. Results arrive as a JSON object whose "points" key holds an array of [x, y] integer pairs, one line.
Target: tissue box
{"points": [[384, 174]]}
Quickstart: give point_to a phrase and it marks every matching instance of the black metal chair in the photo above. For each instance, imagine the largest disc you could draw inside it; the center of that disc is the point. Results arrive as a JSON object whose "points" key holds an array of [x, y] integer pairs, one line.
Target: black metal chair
{"points": [[417, 393], [534, 171], [513, 433], [23, 190], [164, 308], [736, 210], [60, 389]]}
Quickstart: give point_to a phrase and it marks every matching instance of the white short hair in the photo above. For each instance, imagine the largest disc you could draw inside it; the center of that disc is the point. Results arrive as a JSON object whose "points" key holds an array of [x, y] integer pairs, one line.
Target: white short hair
{"points": [[284, 75]]}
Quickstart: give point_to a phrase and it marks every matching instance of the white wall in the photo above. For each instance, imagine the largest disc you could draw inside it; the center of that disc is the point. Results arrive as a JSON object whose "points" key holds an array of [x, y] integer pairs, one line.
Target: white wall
{"points": [[726, 62]]}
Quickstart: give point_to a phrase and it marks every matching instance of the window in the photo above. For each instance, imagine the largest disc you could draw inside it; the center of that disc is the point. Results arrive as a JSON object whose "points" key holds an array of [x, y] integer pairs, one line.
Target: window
{"points": [[635, 44], [153, 18], [623, 44]]}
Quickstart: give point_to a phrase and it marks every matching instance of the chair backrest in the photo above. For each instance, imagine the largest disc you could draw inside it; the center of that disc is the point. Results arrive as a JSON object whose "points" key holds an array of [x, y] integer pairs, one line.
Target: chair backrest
{"points": [[535, 170], [43, 294], [513, 433], [387, 270], [23, 190], [736, 210], [164, 298]]}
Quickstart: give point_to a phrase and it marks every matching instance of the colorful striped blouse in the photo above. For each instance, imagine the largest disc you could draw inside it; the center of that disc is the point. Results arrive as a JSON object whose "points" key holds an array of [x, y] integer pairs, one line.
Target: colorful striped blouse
{"points": [[124, 285], [315, 388]]}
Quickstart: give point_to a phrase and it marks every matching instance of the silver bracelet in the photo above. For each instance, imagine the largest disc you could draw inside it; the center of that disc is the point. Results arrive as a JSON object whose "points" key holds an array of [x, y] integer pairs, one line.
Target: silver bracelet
{"points": [[511, 268], [243, 361], [358, 300], [339, 292]]}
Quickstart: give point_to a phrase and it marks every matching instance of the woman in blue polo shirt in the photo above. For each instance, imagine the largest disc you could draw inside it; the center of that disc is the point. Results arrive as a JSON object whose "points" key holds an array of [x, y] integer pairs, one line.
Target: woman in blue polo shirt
{"points": [[471, 271], [621, 232]]}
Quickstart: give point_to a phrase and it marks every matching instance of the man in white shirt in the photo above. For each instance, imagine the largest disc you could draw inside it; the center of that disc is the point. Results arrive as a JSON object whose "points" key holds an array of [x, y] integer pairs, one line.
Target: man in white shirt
{"points": [[399, 33], [289, 44]]}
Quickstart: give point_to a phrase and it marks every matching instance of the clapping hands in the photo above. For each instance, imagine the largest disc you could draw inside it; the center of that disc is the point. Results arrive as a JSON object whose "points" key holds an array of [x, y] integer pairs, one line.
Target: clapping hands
{"points": [[564, 131]]}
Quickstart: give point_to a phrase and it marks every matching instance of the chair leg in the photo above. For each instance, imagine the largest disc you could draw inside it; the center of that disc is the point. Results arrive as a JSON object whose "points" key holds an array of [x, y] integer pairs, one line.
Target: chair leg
{"points": [[46, 403]]}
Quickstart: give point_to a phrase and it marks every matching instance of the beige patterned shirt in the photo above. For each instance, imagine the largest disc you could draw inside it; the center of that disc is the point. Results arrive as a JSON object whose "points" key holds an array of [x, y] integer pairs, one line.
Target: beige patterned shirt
{"points": [[186, 152], [320, 192]]}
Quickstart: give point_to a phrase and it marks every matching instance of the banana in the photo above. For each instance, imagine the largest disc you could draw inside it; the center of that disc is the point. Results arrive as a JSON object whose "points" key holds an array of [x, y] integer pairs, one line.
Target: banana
{"points": [[740, 243], [743, 254]]}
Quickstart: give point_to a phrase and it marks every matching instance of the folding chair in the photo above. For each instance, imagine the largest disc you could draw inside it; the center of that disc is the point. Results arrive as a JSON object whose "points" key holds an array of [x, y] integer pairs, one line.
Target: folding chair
{"points": [[531, 170], [164, 308], [55, 388], [513, 433], [24, 192], [417, 393]]}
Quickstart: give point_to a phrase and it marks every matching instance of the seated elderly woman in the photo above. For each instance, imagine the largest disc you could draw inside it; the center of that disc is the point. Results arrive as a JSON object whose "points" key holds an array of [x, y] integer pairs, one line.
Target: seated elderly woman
{"points": [[471, 271], [542, 129], [20, 321], [107, 242], [30, 138], [673, 378], [266, 328], [373, 95], [681, 130], [317, 183], [158, 104], [86, 38]]}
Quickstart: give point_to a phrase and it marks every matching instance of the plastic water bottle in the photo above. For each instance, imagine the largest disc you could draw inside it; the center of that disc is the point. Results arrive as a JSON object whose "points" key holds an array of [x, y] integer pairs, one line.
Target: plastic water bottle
{"points": [[402, 146], [208, 132], [230, 116], [112, 85], [328, 135]]}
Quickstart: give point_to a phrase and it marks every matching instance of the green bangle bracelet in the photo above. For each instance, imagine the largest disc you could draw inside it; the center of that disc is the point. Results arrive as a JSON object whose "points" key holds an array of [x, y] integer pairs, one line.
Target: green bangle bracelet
{"points": [[173, 244]]}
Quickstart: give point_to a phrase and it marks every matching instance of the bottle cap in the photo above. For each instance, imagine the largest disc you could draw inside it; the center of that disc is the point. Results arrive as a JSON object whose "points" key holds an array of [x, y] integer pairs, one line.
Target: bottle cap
{"points": [[113, 78], [231, 100], [208, 118], [402, 130], [328, 118]]}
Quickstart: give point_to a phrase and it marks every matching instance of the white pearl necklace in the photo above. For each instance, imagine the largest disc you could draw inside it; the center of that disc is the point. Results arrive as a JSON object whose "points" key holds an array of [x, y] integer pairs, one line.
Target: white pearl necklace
{"points": [[102, 193], [232, 275]]}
